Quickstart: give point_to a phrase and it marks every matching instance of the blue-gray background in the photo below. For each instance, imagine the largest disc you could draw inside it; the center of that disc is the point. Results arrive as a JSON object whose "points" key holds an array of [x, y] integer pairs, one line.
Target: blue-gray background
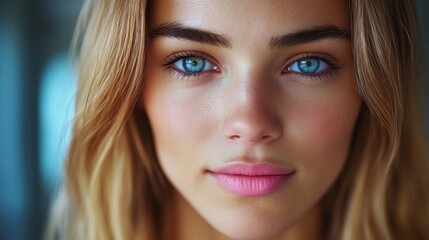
{"points": [[36, 106]]}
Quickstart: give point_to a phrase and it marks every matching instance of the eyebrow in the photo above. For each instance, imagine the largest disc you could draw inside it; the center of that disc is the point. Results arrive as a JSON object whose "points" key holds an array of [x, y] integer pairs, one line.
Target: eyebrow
{"points": [[179, 31], [310, 35]]}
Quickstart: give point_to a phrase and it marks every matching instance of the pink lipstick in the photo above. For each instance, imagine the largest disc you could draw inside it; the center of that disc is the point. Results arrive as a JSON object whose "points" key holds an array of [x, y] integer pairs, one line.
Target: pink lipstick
{"points": [[250, 180]]}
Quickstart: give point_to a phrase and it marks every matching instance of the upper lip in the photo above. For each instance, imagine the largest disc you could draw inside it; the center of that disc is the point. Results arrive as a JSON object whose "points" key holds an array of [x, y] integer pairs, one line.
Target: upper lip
{"points": [[248, 169]]}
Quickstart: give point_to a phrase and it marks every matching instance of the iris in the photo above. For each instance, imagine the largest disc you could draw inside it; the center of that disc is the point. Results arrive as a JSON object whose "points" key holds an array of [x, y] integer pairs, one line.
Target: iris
{"points": [[193, 64], [310, 65]]}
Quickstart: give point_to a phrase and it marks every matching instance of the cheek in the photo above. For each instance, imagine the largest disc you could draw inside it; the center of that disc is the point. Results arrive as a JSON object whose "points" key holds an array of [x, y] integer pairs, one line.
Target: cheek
{"points": [[324, 123], [182, 128], [322, 133], [179, 123]]}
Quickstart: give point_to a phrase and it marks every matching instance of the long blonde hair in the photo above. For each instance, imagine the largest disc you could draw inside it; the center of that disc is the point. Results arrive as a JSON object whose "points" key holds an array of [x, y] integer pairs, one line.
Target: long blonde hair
{"points": [[114, 186], [383, 191]]}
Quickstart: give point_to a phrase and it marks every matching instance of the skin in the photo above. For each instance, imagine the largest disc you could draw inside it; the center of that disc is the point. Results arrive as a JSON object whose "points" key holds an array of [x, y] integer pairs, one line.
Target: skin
{"points": [[252, 108]]}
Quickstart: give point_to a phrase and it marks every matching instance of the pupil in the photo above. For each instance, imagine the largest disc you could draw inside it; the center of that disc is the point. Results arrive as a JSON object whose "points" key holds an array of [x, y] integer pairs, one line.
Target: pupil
{"points": [[308, 65], [193, 64]]}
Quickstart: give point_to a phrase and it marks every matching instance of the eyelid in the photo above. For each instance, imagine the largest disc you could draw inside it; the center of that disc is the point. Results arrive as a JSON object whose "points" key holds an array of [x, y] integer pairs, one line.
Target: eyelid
{"points": [[170, 67], [330, 60], [171, 59]]}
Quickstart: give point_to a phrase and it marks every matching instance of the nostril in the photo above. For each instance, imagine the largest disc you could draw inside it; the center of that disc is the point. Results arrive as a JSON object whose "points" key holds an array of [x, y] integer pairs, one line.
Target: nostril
{"points": [[234, 137], [250, 125], [265, 137], [237, 138]]}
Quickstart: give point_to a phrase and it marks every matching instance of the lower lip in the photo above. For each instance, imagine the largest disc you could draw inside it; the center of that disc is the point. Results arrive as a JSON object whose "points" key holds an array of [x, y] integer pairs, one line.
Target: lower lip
{"points": [[252, 185]]}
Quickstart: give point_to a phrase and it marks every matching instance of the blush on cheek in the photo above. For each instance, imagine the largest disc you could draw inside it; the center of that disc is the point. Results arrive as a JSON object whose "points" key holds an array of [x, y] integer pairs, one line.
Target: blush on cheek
{"points": [[326, 127]]}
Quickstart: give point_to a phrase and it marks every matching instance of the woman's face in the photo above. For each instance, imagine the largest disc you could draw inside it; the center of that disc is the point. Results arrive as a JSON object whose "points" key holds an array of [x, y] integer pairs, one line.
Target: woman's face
{"points": [[252, 106]]}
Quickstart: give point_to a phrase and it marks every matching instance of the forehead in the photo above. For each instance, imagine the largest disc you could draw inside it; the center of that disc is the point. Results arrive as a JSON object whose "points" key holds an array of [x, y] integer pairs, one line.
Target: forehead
{"points": [[250, 19]]}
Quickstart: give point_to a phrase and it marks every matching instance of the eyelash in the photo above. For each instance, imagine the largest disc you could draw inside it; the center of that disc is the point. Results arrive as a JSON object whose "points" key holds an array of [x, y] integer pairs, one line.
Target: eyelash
{"points": [[169, 65], [333, 65]]}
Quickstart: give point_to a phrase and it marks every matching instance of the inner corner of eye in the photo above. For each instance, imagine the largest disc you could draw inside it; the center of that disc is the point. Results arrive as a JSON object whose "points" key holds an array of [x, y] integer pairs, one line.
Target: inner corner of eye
{"points": [[288, 68]]}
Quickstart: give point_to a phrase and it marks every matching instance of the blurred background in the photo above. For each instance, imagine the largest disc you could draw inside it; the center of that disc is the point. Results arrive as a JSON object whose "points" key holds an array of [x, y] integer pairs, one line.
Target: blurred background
{"points": [[36, 101]]}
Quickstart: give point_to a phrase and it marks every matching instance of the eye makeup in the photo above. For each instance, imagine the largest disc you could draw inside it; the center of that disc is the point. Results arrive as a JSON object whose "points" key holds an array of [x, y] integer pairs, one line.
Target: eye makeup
{"points": [[194, 65], [293, 65], [172, 65]]}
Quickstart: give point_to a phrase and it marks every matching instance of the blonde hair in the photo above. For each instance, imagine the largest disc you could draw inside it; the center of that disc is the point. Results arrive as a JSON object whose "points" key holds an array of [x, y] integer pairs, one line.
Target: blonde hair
{"points": [[114, 184], [383, 191]]}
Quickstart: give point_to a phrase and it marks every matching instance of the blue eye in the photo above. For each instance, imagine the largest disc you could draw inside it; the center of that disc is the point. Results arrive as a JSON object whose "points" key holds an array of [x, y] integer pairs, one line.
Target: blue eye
{"points": [[308, 66], [194, 65]]}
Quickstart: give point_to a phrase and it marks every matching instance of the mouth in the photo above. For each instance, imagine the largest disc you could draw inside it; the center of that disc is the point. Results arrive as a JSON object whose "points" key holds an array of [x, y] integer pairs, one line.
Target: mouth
{"points": [[252, 180]]}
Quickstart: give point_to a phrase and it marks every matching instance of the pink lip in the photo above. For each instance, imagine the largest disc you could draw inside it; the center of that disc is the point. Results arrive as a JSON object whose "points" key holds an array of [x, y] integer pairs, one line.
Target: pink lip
{"points": [[252, 180]]}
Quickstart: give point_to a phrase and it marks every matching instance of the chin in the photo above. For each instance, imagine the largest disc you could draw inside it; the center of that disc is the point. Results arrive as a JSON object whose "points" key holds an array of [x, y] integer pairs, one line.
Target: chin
{"points": [[250, 226], [250, 232]]}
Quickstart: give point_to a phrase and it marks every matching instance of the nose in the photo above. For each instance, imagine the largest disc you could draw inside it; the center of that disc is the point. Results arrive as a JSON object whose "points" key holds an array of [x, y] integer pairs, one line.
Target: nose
{"points": [[252, 117]]}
